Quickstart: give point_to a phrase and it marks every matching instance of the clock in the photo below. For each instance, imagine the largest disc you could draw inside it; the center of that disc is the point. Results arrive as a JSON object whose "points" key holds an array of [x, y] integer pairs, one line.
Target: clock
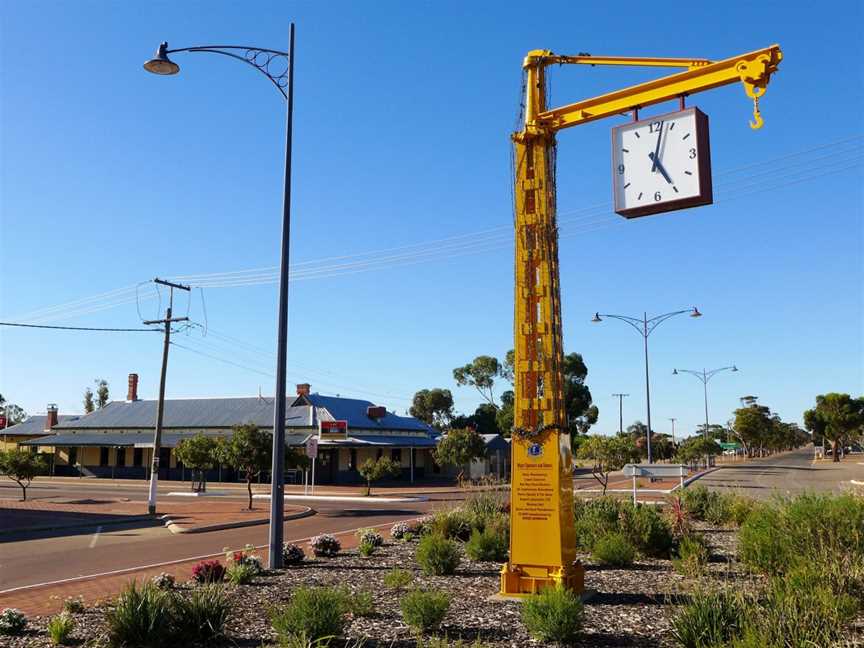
{"points": [[661, 164]]}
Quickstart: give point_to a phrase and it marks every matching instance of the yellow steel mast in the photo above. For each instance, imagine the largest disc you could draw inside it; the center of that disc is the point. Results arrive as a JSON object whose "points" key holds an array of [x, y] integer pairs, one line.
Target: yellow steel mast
{"points": [[542, 535]]}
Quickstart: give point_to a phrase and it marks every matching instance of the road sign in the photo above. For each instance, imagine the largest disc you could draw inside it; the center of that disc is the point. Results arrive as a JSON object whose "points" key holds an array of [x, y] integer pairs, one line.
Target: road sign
{"points": [[312, 447], [333, 429]]}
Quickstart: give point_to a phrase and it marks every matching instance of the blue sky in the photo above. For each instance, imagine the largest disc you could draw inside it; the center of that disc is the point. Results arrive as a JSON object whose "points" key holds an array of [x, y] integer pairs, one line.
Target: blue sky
{"points": [[111, 176]]}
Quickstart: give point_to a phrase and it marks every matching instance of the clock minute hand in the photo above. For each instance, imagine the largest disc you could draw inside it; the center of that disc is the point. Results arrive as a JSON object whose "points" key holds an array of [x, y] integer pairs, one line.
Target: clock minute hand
{"points": [[660, 166], [656, 157]]}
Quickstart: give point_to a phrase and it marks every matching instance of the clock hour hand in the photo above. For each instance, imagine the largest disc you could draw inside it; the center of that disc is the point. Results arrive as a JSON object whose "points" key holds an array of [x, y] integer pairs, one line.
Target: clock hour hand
{"points": [[659, 165]]}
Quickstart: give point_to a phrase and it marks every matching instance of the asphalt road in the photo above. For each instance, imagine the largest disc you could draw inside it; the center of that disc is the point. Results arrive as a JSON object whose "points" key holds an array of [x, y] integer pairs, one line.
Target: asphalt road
{"points": [[789, 473], [40, 557]]}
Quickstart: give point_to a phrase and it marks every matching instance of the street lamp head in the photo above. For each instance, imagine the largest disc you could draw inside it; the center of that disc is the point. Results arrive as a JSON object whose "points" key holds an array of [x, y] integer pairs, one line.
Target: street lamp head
{"points": [[695, 313], [734, 368], [161, 64], [674, 372], [596, 318]]}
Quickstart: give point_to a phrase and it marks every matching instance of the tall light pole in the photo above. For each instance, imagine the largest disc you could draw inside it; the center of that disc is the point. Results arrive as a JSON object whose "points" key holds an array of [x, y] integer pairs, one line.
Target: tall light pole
{"points": [[705, 376], [620, 398], [278, 67], [673, 429], [645, 327]]}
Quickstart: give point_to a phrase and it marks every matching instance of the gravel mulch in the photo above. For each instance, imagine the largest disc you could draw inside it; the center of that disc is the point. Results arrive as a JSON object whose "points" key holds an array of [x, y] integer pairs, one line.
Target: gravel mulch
{"points": [[631, 607]]}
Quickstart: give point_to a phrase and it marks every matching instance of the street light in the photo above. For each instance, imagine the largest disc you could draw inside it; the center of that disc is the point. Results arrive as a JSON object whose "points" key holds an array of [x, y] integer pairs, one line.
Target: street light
{"points": [[278, 67], [705, 376], [645, 327]]}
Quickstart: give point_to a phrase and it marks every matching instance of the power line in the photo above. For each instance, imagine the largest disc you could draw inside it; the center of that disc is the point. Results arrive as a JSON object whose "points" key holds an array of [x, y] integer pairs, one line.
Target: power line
{"points": [[79, 328]]}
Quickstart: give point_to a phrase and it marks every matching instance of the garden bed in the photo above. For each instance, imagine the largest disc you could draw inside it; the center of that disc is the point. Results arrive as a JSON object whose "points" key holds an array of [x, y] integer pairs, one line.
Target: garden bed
{"points": [[631, 607]]}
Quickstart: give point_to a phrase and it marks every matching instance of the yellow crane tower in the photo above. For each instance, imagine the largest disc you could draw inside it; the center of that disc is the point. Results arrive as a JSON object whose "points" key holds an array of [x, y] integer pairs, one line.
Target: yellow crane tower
{"points": [[542, 535]]}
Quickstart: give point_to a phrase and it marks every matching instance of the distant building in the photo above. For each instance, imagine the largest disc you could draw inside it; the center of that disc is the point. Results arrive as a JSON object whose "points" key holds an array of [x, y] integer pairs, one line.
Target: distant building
{"points": [[30, 428], [117, 440]]}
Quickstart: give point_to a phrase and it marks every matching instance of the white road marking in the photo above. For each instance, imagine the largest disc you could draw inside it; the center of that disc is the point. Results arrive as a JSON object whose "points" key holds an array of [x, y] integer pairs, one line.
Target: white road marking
{"points": [[95, 537]]}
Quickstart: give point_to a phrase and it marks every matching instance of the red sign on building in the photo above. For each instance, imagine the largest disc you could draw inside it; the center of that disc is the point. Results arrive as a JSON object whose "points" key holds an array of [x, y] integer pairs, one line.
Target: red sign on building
{"points": [[333, 429]]}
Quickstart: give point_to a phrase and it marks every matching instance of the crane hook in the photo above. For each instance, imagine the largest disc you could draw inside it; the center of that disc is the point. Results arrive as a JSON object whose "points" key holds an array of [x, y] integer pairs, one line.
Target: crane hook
{"points": [[757, 116]]}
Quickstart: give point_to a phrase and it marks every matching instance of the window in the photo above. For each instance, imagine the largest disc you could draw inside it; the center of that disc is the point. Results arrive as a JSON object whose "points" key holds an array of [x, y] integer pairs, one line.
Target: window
{"points": [[103, 456], [138, 457], [121, 456], [73, 456], [352, 459], [396, 455]]}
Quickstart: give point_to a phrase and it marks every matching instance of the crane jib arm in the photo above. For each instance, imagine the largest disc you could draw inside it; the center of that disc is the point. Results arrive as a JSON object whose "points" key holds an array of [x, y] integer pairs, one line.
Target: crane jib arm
{"points": [[753, 70]]}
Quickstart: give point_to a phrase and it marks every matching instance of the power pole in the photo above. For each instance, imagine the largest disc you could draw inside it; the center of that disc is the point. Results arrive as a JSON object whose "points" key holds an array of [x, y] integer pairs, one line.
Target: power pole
{"points": [[673, 429], [160, 408], [620, 398]]}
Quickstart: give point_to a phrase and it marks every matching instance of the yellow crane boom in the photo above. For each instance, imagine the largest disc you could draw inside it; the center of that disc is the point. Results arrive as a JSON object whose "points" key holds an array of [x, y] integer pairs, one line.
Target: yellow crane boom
{"points": [[542, 534]]}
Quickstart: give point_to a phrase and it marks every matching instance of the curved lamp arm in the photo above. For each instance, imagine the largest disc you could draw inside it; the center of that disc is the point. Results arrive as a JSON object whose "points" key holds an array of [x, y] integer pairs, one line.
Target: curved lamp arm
{"points": [[646, 327], [704, 376], [273, 64]]}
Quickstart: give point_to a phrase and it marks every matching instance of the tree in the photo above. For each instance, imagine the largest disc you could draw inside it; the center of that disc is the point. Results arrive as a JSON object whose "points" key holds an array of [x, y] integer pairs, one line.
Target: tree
{"points": [[508, 367], [14, 414], [88, 401], [837, 417], [433, 406], [101, 392], [607, 454], [480, 374], [696, 447], [504, 415], [21, 466], [248, 451], [458, 448], [374, 469], [581, 413], [752, 425], [198, 453]]}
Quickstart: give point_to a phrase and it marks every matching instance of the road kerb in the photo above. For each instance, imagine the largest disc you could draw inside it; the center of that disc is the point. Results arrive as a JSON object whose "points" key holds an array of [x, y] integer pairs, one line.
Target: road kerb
{"points": [[173, 527], [77, 525]]}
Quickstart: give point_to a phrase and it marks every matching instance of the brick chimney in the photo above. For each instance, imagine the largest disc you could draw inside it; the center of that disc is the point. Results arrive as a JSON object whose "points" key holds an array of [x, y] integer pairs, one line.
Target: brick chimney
{"points": [[51, 419], [132, 392], [376, 412], [303, 389]]}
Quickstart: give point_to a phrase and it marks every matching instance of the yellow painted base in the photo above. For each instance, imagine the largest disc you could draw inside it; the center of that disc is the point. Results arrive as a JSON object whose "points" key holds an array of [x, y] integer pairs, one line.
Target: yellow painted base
{"points": [[521, 581]]}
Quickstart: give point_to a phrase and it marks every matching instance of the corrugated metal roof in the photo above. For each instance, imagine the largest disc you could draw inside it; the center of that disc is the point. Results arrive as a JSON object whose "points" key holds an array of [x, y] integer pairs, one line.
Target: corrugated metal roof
{"points": [[495, 442], [35, 424], [353, 410], [136, 439], [187, 413], [360, 441]]}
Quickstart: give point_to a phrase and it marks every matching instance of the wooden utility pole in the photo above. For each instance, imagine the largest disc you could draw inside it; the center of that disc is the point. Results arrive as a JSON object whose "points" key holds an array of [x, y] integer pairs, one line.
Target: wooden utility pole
{"points": [[160, 407]]}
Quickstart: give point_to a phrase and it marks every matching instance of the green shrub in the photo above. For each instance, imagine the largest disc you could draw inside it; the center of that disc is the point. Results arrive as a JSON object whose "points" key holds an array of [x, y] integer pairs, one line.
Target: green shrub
{"points": [[60, 628], [489, 545], [73, 605], [693, 554], [316, 612], [360, 603], [424, 611], [240, 573], [709, 620], [370, 536], [201, 616], [719, 509], [12, 621], [398, 578], [740, 508], [646, 529], [141, 617], [366, 549], [762, 541], [452, 524], [438, 556], [595, 518], [614, 549], [696, 500], [485, 508], [555, 614]]}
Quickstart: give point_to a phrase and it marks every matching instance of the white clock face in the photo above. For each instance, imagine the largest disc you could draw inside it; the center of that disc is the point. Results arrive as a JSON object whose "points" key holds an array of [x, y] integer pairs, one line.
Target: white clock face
{"points": [[657, 161]]}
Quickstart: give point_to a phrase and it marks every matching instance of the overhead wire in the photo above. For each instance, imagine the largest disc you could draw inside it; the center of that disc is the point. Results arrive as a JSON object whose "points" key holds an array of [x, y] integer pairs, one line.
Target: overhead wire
{"points": [[591, 218], [79, 328]]}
